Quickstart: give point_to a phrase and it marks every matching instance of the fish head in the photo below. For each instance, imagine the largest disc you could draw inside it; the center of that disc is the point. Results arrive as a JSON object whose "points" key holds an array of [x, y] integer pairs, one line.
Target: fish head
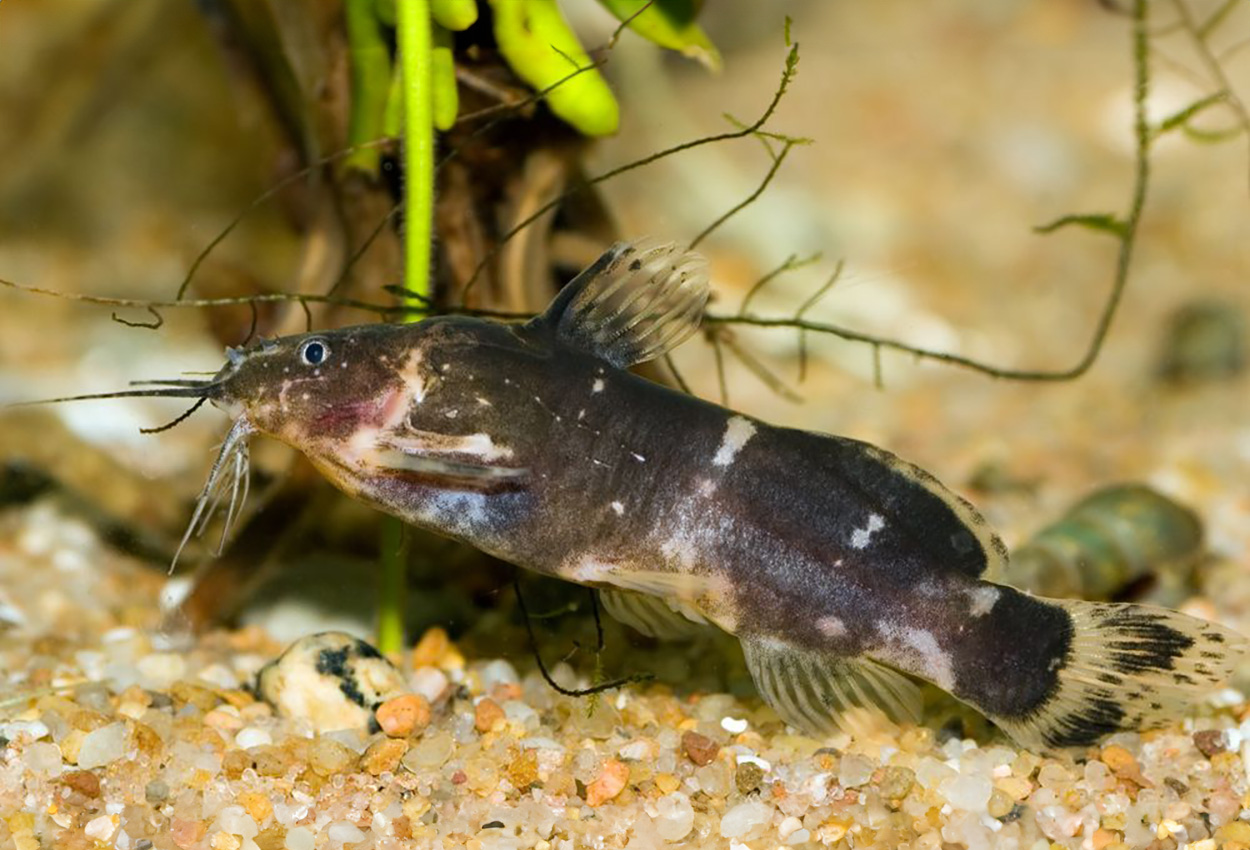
{"points": [[376, 407]]}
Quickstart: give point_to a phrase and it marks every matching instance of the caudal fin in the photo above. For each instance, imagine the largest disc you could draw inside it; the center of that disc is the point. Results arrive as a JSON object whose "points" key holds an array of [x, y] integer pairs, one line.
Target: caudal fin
{"points": [[1126, 667]]}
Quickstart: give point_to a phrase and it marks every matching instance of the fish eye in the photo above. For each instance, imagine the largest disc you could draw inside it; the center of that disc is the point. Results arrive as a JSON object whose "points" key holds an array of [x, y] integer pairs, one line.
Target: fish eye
{"points": [[314, 352]]}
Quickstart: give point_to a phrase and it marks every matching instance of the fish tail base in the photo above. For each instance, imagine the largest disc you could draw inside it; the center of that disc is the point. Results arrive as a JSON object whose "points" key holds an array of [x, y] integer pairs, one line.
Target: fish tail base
{"points": [[1126, 667]]}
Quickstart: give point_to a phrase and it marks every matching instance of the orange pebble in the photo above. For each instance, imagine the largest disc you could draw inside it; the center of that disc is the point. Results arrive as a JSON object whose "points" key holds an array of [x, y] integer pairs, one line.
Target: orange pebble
{"points": [[609, 784], [487, 714], [401, 716]]}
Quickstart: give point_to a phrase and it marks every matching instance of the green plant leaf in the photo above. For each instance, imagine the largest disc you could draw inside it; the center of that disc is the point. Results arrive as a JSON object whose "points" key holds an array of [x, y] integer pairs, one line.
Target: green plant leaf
{"points": [[1101, 222], [542, 49], [668, 23]]}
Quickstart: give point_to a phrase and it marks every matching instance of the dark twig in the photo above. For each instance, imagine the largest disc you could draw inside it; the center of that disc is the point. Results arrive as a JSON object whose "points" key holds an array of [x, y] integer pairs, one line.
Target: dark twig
{"points": [[791, 66], [542, 668], [151, 326], [778, 159]]}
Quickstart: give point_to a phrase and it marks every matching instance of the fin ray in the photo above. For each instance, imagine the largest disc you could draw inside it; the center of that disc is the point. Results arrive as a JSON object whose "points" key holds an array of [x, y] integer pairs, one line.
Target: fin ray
{"points": [[820, 693], [650, 615], [636, 302], [1128, 667]]}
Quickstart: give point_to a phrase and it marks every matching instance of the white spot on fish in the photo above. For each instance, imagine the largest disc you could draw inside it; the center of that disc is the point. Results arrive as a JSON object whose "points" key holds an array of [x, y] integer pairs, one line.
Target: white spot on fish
{"points": [[343, 365], [983, 599], [638, 457], [452, 414], [581, 414], [705, 487], [917, 651], [737, 433], [597, 386], [410, 374], [484, 402], [685, 552], [861, 537], [618, 508], [831, 627]]}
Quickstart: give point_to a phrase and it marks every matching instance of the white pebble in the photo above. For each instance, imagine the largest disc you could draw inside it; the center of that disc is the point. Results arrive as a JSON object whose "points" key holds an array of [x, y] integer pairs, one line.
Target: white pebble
{"points": [[429, 682], [250, 736], [854, 771], [734, 725], [42, 758], [101, 828], [788, 827], [234, 820], [498, 672], [345, 832], [970, 793], [300, 838], [746, 820], [15, 729], [800, 836], [674, 816], [161, 669], [103, 746]]}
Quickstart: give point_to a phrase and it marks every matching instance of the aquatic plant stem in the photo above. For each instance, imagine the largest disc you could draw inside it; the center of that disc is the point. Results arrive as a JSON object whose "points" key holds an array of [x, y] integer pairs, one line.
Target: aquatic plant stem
{"points": [[414, 37], [393, 586], [371, 82]]}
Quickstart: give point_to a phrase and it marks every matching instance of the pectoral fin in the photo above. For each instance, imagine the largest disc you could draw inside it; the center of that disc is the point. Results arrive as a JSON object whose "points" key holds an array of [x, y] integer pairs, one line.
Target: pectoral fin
{"points": [[821, 693], [398, 462], [652, 615], [633, 304], [465, 459]]}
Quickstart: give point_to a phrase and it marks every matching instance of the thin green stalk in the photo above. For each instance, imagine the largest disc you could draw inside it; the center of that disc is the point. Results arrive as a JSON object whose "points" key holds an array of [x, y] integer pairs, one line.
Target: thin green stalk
{"points": [[415, 48], [414, 38], [394, 587], [371, 79]]}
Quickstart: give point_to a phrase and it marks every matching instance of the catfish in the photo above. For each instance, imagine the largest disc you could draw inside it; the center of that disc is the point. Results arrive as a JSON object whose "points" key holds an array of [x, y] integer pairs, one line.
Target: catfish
{"points": [[843, 570]]}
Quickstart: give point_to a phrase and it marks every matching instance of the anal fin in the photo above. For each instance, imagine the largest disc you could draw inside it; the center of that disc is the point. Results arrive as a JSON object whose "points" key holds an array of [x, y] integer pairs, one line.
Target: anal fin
{"points": [[652, 615], [820, 693]]}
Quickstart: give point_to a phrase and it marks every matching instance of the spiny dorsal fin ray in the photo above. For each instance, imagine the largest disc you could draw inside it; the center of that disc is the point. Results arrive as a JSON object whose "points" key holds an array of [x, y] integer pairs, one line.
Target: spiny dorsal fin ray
{"points": [[651, 615], [820, 693], [636, 302]]}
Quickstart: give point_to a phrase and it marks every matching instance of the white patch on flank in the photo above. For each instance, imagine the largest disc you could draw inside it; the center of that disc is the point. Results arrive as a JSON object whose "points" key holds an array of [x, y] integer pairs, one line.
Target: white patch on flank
{"points": [[861, 537], [638, 457], [917, 651], [410, 374], [478, 445], [618, 508], [590, 570], [983, 599], [597, 386], [737, 433], [831, 627], [683, 551], [581, 414], [452, 414]]}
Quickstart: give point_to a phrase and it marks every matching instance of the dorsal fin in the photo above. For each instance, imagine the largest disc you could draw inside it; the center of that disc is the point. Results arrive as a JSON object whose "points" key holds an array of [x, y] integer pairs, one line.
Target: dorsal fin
{"points": [[636, 302]]}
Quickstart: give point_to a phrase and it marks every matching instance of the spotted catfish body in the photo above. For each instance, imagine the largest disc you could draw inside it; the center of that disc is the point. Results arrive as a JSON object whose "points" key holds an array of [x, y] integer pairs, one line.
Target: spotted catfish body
{"points": [[840, 567]]}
